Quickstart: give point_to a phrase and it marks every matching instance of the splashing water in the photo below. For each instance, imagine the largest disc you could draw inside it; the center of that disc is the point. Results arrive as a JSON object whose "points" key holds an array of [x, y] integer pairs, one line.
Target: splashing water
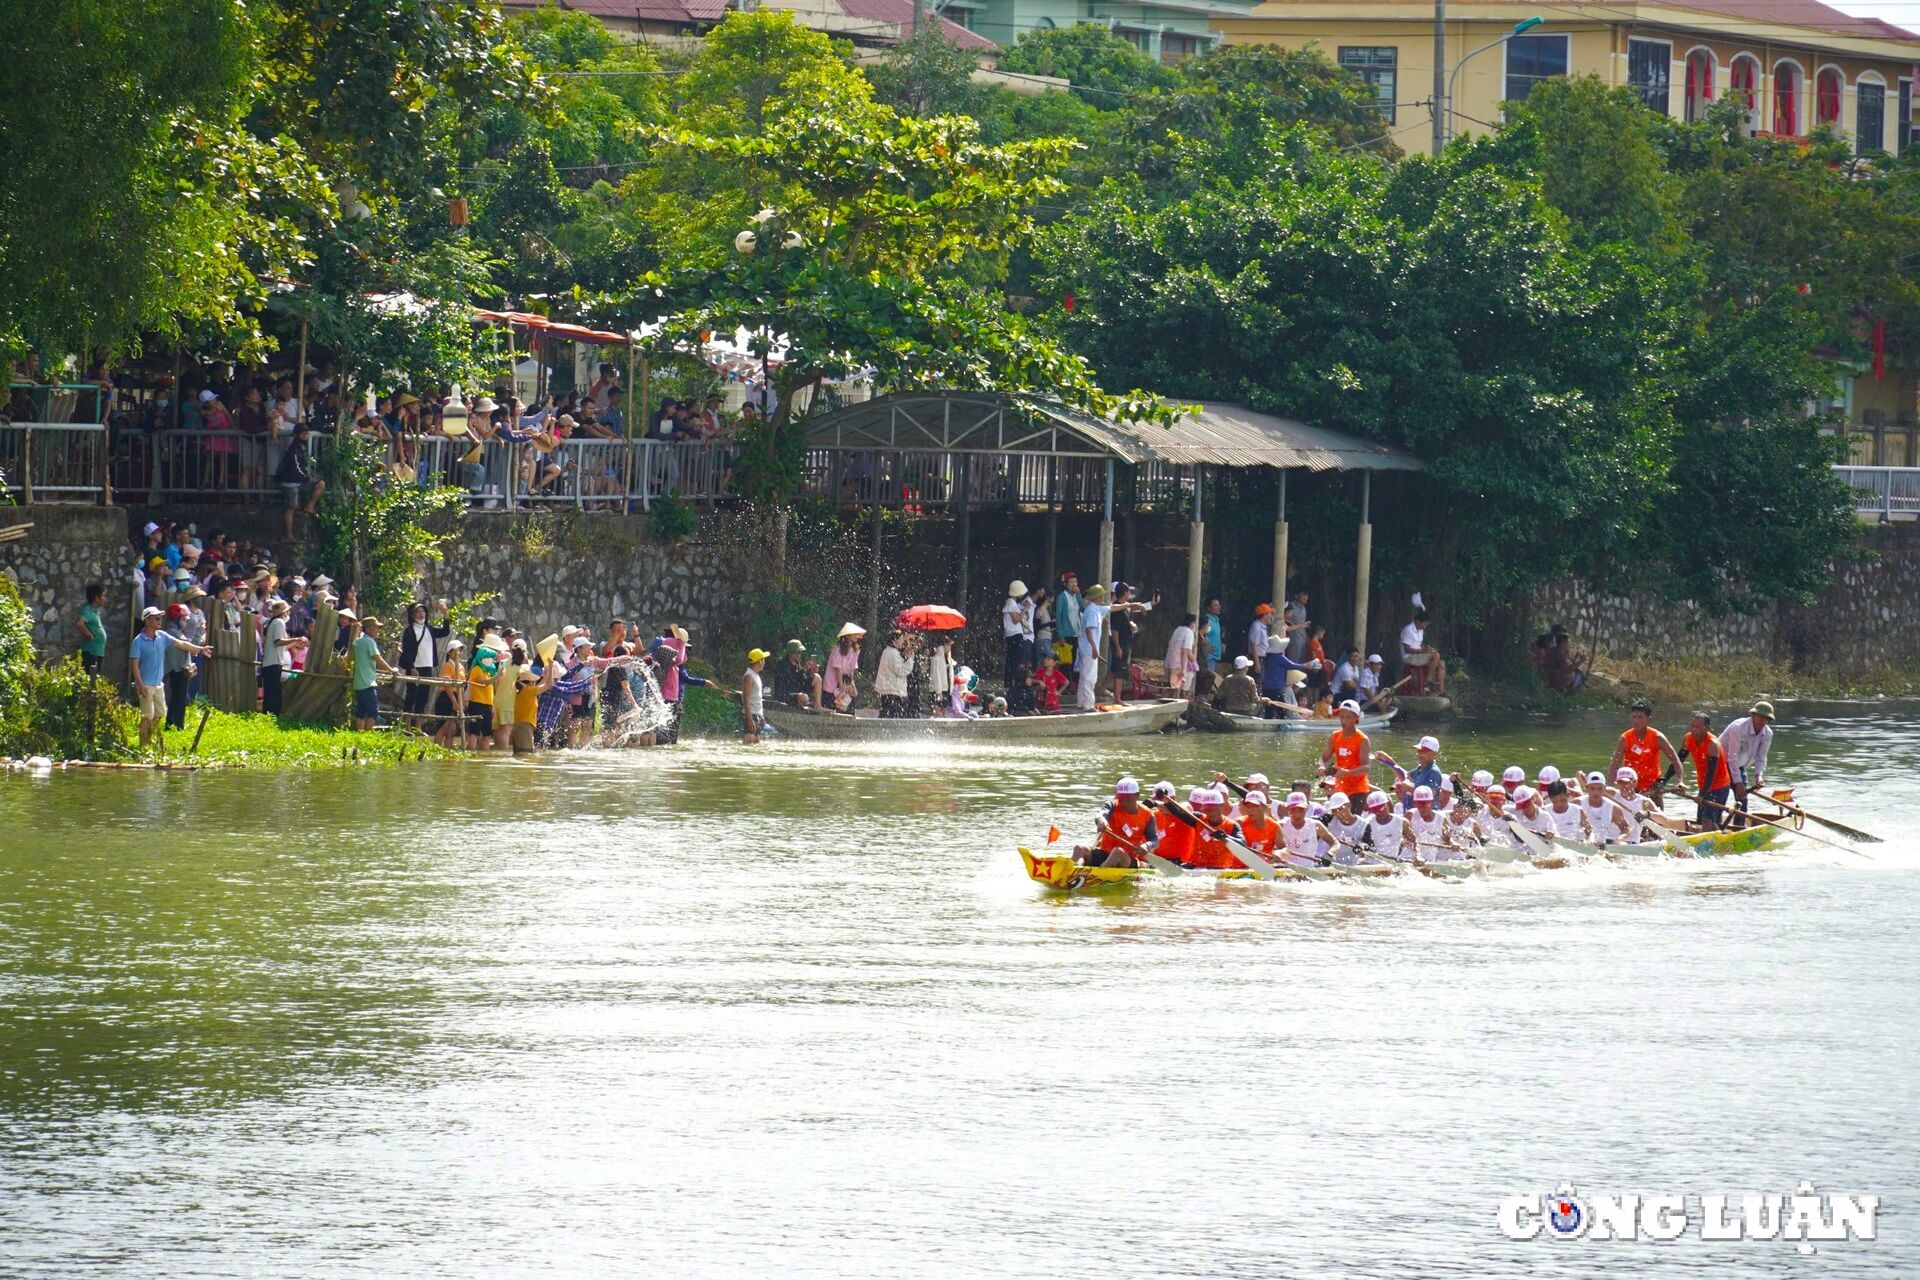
{"points": [[648, 714]]}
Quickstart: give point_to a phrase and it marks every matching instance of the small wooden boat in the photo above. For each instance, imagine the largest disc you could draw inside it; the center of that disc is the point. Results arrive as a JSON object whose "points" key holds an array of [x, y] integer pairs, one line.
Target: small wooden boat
{"points": [[1304, 724], [1121, 718]]}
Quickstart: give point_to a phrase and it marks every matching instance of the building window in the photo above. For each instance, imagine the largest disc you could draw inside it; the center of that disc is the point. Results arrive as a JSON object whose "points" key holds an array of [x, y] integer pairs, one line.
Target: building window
{"points": [[1699, 84], [1869, 117], [1903, 119], [1786, 99], [1378, 66], [1826, 97], [1650, 71], [1531, 59], [1177, 46], [1744, 83]]}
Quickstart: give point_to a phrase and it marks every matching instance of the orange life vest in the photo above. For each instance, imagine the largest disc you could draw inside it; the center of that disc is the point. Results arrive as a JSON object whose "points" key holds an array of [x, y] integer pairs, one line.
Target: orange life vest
{"points": [[1176, 837], [1641, 751], [1210, 849], [1722, 777], [1131, 827], [1350, 752], [1259, 837]]}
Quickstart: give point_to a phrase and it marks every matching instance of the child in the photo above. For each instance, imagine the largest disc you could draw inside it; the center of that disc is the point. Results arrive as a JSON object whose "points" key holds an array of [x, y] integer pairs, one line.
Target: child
{"points": [[753, 714], [1019, 695], [1047, 683]]}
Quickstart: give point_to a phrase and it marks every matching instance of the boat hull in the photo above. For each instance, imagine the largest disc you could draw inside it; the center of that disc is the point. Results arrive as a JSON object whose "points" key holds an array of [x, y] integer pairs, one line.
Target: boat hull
{"points": [[1132, 718], [1302, 724]]}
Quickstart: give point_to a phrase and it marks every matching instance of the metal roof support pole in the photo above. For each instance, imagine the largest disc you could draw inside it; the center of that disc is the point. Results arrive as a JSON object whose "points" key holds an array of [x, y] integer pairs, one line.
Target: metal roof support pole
{"points": [[1363, 565], [1196, 541], [963, 463], [1106, 533], [1053, 523], [873, 581], [1280, 545]]}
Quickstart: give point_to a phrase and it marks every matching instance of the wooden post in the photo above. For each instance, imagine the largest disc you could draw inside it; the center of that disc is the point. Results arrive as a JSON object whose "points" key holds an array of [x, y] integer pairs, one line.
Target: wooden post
{"points": [[1280, 545], [965, 497], [626, 423], [300, 378], [1363, 564], [1106, 532], [873, 580], [1197, 540], [1053, 525], [205, 715]]}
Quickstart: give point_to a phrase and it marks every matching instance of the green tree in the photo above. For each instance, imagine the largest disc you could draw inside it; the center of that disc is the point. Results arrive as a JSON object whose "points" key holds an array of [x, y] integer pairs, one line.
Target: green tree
{"points": [[927, 74], [1105, 70], [377, 532]]}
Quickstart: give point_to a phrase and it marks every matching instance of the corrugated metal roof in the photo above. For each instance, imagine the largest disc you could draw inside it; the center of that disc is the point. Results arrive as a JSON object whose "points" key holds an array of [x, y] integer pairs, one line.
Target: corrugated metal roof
{"points": [[1230, 435]]}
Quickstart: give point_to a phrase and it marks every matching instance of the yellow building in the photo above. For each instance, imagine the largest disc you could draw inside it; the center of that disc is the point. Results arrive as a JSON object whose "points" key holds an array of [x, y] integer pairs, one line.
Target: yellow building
{"points": [[1797, 63]]}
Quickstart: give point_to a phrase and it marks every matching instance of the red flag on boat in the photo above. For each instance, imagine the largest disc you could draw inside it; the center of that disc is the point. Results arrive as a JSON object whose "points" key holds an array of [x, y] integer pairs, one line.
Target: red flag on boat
{"points": [[1053, 835]]}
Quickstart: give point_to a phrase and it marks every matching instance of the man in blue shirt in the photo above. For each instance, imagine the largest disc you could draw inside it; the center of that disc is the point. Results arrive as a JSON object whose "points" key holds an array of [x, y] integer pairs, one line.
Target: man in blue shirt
{"points": [[148, 654], [1067, 605], [1424, 774], [1212, 643]]}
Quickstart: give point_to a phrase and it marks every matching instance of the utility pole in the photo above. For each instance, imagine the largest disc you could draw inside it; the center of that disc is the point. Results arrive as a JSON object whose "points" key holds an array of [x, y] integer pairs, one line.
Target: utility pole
{"points": [[919, 15], [1439, 76]]}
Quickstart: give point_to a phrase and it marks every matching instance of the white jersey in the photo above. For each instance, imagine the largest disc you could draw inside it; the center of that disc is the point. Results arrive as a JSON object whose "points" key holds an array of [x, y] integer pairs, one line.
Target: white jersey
{"points": [[1347, 833], [1494, 829], [1387, 836], [1428, 833], [1537, 822], [1303, 840], [1566, 822], [1603, 819]]}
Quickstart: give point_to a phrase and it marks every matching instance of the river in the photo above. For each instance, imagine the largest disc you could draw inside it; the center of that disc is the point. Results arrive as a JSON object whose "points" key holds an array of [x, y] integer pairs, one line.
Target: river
{"points": [[795, 1011]]}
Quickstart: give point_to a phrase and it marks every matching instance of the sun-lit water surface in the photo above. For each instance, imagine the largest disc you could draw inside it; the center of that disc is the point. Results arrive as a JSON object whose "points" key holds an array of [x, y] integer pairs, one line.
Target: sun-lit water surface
{"points": [[796, 1011]]}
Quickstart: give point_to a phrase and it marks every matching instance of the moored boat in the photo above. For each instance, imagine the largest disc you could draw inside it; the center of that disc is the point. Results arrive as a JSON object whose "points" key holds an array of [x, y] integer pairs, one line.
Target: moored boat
{"points": [[1303, 724], [1125, 718]]}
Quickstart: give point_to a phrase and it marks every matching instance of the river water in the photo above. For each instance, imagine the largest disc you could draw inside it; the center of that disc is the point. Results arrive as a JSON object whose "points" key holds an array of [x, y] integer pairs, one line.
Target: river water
{"points": [[795, 1011]]}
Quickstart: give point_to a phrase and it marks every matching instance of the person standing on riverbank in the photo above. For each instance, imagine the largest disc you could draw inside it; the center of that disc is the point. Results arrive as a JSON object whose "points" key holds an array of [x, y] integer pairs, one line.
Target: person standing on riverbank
{"points": [[148, 656], [1182, 656], [1067, 605], [367, 664], [1016, 628], [93, 632], [1093, 639], [1212, 643], [753, 710]]}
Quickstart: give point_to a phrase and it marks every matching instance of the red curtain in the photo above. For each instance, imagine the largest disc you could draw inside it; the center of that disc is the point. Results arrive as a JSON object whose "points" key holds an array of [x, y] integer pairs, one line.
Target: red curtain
{"points": [[1786, 106], [1827, 105], [1699, 85], [1743, 81]]}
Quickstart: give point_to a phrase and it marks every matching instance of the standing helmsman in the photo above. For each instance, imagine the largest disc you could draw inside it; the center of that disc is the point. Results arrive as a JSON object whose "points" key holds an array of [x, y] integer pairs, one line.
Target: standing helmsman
{"points": [[1746, 742], [1642, 748]]}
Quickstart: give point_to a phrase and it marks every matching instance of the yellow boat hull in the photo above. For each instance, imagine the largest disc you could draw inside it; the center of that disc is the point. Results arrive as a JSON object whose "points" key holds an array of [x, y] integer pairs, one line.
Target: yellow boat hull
{"points": [[1064, 875]]}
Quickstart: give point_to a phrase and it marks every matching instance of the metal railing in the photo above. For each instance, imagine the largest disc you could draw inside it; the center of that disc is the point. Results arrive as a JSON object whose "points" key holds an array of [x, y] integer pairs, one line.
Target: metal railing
{"points": [[47, 462], [1884, 493], [63, 403]]}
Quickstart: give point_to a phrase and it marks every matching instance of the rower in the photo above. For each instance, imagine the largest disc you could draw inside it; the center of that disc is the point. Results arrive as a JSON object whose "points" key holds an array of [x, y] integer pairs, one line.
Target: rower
{"points": [[1641, 747], [1567, 819], [1258, 830], [1125, 826], [1605, 818], [1493, 825], [1425, 772], [1715, 779], [1547, 776], [1255, 783], [1463, 815], [1746, 742], [1173, 833], [1349, 753], [1215, 829], [1528, 813], [1427, 828], [1638, 806], [1347, 828], [1386, 828], [1513, 776], [1300, 833]]}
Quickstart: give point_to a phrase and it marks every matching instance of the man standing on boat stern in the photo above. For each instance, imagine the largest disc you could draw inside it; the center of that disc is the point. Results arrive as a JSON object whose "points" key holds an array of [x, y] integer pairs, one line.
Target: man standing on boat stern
{"points": [[1349, 753], [1746, 742], [1710, 771], [1641, 748]]}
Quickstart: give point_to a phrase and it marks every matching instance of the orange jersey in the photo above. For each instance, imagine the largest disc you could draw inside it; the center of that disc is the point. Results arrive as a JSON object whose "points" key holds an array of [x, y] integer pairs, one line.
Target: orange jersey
{"points": [[1722, 777], [1349, 752], [1210, 846], [1176, 837], [1641, 752], [1260, 837], [1131, 827]]}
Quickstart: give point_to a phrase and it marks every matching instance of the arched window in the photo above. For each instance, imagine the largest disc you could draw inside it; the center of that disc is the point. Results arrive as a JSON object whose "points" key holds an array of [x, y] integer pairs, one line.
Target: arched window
{"points": [[1699, 83], [1786, 99], [1744, 83], [1826, 98], [1869, 114]]}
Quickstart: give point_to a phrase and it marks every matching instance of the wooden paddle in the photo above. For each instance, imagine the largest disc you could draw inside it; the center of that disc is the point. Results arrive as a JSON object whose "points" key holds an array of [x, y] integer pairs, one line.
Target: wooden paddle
{"points": [[1851, 833], [1243, 855], [1165, 866], [1754, 817]]}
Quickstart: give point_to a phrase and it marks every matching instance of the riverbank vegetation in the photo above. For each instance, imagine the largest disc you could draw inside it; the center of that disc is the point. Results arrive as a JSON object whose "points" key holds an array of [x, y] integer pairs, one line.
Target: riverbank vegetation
{"points": [[269, 742]]}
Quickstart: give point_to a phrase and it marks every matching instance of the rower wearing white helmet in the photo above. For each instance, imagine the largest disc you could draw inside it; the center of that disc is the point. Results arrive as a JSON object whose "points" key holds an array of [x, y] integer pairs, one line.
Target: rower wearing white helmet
{"points": [[1258, 830], [1126, 827], [1346, 826], [1604, 817], [1386, 828], [1567, 820], [1427, 828], [1513, 776], [1527, 811], [1493, 824], [1302, 836]]}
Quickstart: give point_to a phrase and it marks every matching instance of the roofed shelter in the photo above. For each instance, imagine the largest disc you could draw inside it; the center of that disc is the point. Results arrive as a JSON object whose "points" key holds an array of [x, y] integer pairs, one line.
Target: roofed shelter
{"points": [[1041, 452]]}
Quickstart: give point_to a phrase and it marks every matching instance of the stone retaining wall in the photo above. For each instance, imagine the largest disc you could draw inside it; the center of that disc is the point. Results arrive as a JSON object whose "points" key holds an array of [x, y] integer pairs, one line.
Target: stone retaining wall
{"points": [[67, 548]]}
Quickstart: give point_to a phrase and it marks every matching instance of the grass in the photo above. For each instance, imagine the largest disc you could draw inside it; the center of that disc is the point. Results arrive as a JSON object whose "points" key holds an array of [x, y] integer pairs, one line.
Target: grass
{"points": [[706, 710], [267, 742]]}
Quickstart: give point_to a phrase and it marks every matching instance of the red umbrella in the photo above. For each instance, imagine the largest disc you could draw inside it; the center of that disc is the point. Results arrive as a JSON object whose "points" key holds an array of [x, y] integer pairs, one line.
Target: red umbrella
{"points": [[931, 617]]}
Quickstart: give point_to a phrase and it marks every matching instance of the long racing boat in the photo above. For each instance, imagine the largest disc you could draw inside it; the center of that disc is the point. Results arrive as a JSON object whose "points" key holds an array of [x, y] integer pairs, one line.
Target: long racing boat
{"points": [[1123, 718]]}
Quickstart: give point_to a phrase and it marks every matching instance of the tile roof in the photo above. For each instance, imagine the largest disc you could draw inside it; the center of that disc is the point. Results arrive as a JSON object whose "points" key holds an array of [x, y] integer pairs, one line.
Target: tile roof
{"points": [[899, 14], [1795, 13]]}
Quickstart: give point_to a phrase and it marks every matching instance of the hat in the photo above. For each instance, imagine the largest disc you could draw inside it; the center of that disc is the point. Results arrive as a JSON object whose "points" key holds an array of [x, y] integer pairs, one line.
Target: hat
{"points": [[569, 631], [1428, 743], [485, 405], [1513, 773], [296, 581], [176, 611], [1128, 786], [1349, 705], [150, 530], [322, 580], [1295, 679], [1596, 779], [1339, 800], [158, 562], [1548, 775], [404, 399], [678, 632], [1295, 799], [1204, 796], [1496, 790], [794, 646], [1069, 575], [1262, 610], [1119, 587], [195, 593], [348, 615], [1522, 794], [1482, 780], [547, 647], [525, 676], [1423, 795], [758, 655], [369, 621], [1276, 644], [1096, 592], [279, 606], [1378, 800], [150, 612], [1317, 812], [455, 644], [1016, 588], [208, 394], [1256, 780], [1446, 785], [1373, 658], [566, 420], [1242, 662], [582, 641], [1762, 708], [853, 629], [260, 575], [1625, 774]]}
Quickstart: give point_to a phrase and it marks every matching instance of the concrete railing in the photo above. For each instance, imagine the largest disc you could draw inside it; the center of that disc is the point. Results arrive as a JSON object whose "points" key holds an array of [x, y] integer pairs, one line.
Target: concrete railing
{"points": [[1884, 493]]}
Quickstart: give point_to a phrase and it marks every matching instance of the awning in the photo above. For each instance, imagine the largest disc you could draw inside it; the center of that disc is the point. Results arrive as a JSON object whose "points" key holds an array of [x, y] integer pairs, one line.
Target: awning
{"points": [[1230, 435]]}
